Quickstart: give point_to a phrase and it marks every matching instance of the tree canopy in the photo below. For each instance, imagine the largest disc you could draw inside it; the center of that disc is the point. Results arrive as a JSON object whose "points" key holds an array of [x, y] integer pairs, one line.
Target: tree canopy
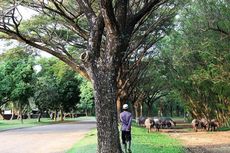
{"points": [[17, 77]]}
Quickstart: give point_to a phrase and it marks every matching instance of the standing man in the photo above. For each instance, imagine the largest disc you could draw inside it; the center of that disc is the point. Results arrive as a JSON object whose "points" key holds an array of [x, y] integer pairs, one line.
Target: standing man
{"points": [[126, 121]]}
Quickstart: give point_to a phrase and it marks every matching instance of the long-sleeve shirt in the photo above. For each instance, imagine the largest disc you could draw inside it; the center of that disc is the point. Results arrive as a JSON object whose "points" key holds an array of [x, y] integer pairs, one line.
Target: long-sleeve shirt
{"points": [[126, 121]]}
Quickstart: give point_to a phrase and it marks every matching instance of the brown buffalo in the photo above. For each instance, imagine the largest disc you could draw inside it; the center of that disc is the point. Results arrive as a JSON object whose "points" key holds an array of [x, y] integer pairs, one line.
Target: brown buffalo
{"points": [[195, 124], [213, 125]]}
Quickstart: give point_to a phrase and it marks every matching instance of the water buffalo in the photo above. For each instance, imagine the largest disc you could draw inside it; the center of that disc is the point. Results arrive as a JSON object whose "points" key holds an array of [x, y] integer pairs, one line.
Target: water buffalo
{"points": [[195, 124], [149, 124], [204, 124], [213, 125], [141, 121], [168, 123], [157, 123]]}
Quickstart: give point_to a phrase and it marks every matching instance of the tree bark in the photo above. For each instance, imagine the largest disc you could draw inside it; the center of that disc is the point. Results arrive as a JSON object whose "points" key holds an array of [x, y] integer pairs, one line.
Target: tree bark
{"points": [[149, 110], [118, 106], [106, 111], [12, 113], [29, 116], [136, 112], [1, 114], [55, 115], [20, 113], [61, 115], [120, 102], [12, 116], [39, 116], [141, 110]]}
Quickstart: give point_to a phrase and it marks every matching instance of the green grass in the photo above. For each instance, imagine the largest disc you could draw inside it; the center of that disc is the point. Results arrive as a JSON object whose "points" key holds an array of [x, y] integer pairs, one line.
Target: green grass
{"points": [[142, 142], [12, 124], [225, 128], [87, 145]]}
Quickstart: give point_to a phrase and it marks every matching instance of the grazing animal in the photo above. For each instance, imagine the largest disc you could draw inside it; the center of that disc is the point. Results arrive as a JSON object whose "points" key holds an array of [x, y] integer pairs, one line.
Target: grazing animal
{"points": [[141, 121], [149, 124], [168, 123], [158, 124], [195, 124], [214, 124], [204, 124]]}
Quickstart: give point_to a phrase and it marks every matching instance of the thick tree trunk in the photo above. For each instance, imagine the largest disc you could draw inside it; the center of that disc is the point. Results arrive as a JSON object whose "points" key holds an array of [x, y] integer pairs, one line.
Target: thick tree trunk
{"points": [[120, 102], [29, 116], [141, 110], [106, 112], [171, 109], [20, 113], [61, 115], [12, 113], [55, 115], [39, 116], [118, 106], [135, 106], [149, 110], [12, 116], [1, 115]]}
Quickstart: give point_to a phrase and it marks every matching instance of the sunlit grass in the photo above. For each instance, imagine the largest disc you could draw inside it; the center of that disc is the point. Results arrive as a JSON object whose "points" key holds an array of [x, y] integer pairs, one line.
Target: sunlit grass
{"points": [[142, 142], [12, 124]]}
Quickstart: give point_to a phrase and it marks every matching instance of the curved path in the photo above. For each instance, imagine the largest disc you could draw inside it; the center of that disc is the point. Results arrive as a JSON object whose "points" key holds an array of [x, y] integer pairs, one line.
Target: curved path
{"points": [[56, 138]]}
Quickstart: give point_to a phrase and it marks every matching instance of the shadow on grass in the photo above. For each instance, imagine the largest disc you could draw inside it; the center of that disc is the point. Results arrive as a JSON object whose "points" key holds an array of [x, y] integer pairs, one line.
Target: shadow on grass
{"points": [[142, 142]]}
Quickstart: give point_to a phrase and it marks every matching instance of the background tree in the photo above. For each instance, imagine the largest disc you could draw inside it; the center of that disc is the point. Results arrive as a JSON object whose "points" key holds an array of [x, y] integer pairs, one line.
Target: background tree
{"points": [[86, 101], [17, 77], [197, 55], [57, 87], [46, 95]]}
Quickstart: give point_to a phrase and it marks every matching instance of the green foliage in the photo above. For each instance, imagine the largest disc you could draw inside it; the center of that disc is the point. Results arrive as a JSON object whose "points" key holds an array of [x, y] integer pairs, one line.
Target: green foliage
{"points": [[17, 76], [57, 86], [199, 53], [86, 101], [46, 96]]}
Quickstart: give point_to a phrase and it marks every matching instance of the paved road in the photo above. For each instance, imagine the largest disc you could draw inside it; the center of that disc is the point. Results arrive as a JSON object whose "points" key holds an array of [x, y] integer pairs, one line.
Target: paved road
{"points": [[56, 138]]}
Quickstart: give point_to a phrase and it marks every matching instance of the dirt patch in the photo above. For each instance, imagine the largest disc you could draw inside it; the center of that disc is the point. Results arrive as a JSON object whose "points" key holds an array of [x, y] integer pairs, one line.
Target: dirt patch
{"points": [[201, 141]]}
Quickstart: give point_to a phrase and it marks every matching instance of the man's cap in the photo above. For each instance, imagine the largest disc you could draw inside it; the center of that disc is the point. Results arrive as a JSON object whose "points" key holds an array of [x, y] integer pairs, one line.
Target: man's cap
{"points": [[125, 106]]}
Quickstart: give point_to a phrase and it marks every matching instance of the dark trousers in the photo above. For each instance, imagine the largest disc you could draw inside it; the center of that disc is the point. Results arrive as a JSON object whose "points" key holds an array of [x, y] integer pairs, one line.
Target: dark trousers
{"points": [[125, 136]]}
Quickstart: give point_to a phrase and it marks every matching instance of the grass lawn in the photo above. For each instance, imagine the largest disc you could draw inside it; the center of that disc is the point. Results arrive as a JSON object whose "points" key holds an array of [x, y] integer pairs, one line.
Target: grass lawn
{"points": [[142, 142], [225, 128], [12, 124]]}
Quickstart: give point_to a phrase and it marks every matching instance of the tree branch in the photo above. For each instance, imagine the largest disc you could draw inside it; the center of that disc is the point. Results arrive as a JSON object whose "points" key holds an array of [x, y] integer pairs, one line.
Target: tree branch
{"points": [[88, 11], [121, 13], [70, 62], [109, 17], [148, 6]]}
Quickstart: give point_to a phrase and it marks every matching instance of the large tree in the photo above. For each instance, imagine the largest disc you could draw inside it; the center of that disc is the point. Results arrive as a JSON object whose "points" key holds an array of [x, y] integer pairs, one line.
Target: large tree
{"points": [[105, 35], [86, 102], [17, 77], [57, 87]]}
